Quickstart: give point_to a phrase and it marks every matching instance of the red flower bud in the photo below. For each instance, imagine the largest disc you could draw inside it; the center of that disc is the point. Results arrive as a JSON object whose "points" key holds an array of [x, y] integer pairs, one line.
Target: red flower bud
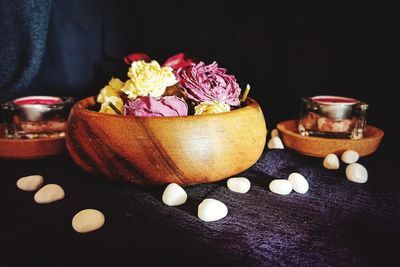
{"points": [[178, 61], [136, 57]]}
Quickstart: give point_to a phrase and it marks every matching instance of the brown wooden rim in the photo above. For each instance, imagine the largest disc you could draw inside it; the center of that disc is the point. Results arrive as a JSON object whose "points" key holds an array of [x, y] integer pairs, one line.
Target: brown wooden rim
{"points": [[379, 133], [82, 108]]}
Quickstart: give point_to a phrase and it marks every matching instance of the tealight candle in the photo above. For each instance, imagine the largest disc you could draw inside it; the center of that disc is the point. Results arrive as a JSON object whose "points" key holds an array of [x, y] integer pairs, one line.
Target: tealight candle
{"points": [[36, 116], [332, 116]]}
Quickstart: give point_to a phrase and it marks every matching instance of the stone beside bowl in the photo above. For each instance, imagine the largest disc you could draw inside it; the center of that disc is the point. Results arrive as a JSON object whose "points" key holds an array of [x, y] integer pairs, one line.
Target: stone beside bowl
{"points": [[320, 147], [159, 150]]}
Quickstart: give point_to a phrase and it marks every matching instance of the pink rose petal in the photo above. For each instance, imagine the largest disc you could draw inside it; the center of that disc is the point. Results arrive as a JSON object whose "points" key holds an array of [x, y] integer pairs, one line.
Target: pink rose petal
{"points": [[208, 82], [148, 106]]}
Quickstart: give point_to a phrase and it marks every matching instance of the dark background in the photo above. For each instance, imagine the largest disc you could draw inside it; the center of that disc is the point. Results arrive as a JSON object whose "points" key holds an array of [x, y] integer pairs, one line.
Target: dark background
{"points": [[283, 51]]}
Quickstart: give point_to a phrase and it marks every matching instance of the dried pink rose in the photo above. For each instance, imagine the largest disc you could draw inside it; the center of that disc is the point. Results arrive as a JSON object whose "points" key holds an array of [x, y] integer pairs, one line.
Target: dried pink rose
{"points": [[148, 106], [178, 61], [208, 82]]}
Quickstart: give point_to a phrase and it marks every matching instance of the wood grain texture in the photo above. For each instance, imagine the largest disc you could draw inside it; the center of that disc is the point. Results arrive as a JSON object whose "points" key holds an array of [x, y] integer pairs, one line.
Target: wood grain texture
{"points": [[153, 150], [320, 147]]}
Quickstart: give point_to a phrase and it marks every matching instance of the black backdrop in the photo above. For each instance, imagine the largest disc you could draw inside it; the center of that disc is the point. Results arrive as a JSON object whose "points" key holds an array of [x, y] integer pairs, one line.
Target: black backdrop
{"points": [[284, 52]]}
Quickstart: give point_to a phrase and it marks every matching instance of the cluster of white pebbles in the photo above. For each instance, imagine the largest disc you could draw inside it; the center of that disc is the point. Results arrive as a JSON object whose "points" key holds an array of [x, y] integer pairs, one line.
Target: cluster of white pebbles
{"points": [[209, 209], [87, 220], [212, 209], [295, 181], [46, 194], [355, 172]]}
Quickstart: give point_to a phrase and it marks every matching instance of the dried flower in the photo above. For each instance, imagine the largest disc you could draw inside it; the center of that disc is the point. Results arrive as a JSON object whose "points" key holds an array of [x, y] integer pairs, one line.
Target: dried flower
{"points": [[156, 91], [211, 107], [178, 61], [148, 106], [112, 89], [148, 79], [111, 93], [136, 57], [208, 82], [116, 101]]}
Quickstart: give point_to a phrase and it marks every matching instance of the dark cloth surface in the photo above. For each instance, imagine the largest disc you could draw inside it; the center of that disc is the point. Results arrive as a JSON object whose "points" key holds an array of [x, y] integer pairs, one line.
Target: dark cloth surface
{"points": [[336, 223]]}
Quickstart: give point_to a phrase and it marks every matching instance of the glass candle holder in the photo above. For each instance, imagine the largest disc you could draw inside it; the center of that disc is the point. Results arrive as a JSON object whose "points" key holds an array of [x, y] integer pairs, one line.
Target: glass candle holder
{"points": [[35, 117], [332, 117]]}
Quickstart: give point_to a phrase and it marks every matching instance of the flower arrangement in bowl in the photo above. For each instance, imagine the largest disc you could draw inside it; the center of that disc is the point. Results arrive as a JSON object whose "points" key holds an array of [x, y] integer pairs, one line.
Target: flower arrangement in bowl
{"points": [[186, 88], [184, 122]]}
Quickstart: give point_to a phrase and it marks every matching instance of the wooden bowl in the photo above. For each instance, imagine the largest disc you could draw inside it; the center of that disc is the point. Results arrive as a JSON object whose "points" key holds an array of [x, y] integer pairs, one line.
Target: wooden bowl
{"points": [[158, 150], [320, 147]]}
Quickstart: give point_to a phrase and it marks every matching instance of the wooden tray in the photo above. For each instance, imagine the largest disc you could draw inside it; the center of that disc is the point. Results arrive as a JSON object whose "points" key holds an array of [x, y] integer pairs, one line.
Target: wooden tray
{"points": [[31, 148], [320, 147]]}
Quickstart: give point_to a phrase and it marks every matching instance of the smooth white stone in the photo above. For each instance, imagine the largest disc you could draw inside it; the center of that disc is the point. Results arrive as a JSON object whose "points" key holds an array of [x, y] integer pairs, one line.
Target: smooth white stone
{"points": [[211, 210], [331, 162], [49, 193], [30, 183], [238, 184], [88, 220], [275, 143], [174, 195], [275, 133], [357, 173], [281, 186], [350, 156], [299, 183]]}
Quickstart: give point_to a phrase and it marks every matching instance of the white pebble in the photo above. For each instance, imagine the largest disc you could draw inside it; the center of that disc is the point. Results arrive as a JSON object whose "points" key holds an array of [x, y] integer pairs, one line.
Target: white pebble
{"points": [[357, 173], [331, 162], [299, 183], [88, 220], [275, 143], [281, 186], [30, 183], [274, 133], [350, 156], [174, 195], [238, 184], [211, 210], [49, 193]]}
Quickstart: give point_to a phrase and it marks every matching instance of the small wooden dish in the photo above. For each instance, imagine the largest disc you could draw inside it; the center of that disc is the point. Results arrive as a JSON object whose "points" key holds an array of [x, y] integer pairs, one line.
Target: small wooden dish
{"points": [[31, 148], [320, 147], [159, 150]]}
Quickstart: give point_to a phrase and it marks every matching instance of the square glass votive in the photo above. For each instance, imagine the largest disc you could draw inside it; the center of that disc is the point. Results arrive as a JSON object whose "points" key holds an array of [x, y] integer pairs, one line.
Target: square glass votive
{"points": [[332, 117], [35, 117]]}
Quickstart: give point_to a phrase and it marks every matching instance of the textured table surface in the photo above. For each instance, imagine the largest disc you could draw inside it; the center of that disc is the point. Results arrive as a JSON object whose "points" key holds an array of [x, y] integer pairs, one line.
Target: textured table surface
{"points": [[336, 222]]}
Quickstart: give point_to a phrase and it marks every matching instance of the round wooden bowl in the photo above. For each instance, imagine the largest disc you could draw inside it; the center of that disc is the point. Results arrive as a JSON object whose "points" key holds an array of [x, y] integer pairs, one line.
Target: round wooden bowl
{"points": [[320, 147], [158, 150]]}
